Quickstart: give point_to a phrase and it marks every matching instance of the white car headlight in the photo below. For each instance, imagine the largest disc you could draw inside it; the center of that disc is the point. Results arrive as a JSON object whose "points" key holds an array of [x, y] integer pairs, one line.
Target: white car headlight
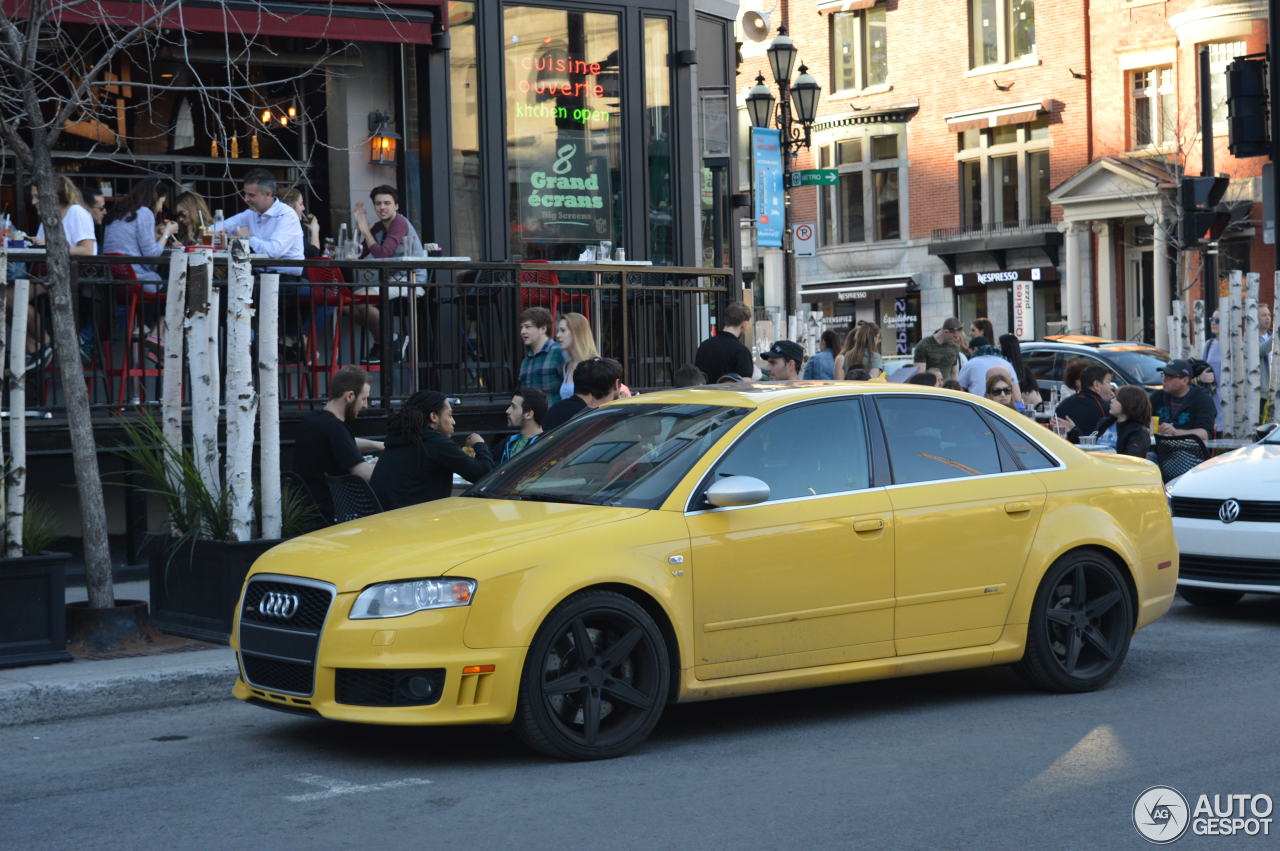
{"points": [[396, 599], [1168, 491]]}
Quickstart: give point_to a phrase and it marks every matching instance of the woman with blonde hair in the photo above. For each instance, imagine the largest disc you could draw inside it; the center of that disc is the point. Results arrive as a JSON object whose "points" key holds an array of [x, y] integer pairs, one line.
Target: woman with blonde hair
{"points": [[861, 348], [573, 333], [192, 213]]}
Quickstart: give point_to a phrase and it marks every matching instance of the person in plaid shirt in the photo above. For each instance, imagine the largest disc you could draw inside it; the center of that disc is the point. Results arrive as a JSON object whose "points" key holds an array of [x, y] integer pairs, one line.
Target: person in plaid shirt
{"points": [[544, 360]]}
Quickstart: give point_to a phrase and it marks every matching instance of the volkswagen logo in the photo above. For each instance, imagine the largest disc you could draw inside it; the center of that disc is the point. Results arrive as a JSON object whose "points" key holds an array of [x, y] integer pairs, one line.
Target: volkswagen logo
{"points": [[1229, 511], [278, 604]]}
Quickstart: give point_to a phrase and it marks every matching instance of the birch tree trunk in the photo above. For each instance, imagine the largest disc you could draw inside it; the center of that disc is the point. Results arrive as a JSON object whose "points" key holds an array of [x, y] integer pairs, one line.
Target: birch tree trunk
{"points": [[1177, 323], [202, 340], [17, 478], [1226, 399], [269, 409], [1272, 360], [242, 399], [1232, 364], [175, 307], [1251, 385], [4, 337], [1196, 347]]}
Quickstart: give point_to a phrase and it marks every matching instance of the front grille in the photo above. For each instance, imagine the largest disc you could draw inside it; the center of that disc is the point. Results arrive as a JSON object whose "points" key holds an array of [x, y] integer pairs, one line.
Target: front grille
{"points": [[380, 687], [313, 605], [278, 675], [1251, 511], [1244, 571]]}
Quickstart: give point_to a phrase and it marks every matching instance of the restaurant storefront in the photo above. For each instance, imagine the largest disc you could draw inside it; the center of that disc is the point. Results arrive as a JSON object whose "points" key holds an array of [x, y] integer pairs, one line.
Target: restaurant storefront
{"points": [[893, 304], [1029, 299]]}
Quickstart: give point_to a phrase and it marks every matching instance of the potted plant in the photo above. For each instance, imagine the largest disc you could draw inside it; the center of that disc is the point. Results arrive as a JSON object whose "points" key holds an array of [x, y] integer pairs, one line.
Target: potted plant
{"points": [[33, 627], [198, 567]]}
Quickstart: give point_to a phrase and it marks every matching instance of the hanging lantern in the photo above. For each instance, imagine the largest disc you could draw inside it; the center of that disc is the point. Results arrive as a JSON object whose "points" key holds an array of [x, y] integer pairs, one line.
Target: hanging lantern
{"points": [[382, 139]]}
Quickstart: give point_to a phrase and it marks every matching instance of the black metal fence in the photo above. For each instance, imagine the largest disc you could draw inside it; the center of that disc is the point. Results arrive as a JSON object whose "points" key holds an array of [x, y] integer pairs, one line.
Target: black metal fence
{"points": [[440, 324]]}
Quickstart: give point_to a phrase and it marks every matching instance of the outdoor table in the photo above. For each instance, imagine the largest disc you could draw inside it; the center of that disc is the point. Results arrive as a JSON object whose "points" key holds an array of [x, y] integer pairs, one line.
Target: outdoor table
{"points": [[595, 281]]}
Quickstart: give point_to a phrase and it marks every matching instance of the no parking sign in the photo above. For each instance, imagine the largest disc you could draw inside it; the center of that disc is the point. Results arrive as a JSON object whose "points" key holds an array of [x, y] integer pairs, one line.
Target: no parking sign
{"points": [[804, 239]]}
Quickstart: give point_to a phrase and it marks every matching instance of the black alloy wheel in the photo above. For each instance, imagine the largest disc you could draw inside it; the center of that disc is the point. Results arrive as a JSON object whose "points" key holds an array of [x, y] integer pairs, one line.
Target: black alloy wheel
{"points": [[1081, 623], [595, 680], [1209, 597]]}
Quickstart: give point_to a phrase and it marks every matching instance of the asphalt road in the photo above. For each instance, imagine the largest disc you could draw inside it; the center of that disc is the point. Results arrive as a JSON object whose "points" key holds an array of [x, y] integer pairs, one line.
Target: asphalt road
{"points": [[964, 760]]}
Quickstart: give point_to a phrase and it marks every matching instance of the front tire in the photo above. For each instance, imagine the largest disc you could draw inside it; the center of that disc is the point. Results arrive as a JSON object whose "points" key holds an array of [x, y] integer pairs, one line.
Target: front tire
{"points": [[1081, 623], [596, 679], [1209, 597]]}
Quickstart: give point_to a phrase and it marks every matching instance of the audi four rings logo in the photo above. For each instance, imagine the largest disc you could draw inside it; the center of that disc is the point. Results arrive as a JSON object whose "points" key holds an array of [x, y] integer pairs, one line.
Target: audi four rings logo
{"points": [[1229, 512], [278, 604]]}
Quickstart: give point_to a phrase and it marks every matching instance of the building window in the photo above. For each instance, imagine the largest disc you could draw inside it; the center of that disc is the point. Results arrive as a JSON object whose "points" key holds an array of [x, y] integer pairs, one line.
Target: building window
{"points": [[866, 203], [1002, 31], [1004, 176], [859, 49], [1153, 107], [1220, 55]]}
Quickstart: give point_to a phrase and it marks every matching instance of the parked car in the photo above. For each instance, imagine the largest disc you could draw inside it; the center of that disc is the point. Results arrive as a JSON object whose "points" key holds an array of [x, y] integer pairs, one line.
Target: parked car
{"points": [[1226, 518], [1130, 363], [703, 543]]}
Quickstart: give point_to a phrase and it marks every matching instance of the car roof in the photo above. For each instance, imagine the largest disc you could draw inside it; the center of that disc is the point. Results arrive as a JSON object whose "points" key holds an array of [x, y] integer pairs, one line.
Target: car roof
{"points": [[772, 394], [1099, 346]]}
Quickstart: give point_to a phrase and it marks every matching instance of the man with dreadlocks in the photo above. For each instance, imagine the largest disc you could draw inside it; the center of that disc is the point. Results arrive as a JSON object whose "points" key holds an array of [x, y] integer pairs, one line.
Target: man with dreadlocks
{"points": [[421, 457]]}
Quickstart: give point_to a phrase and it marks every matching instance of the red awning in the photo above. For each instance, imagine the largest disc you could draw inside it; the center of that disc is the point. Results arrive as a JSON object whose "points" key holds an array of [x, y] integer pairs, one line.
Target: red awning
{"points": [[844, 5], [398, 21]]}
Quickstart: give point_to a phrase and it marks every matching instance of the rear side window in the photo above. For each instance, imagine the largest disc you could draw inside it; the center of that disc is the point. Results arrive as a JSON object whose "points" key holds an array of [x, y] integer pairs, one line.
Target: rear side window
{"points": [[932, 439], [1044, 365], [1029, 455]]}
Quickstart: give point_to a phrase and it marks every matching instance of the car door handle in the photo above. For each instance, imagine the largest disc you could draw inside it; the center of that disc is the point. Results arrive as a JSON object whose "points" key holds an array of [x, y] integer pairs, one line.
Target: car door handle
{"points": [[868, 525], [1017, 507]]}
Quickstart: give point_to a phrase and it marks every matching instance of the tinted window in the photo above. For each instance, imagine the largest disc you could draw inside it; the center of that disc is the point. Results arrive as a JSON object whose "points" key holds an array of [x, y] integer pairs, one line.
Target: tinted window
{"points": [[932, 439], [1142, 365], [1029, 455], [805, 451], [1043, 364]]}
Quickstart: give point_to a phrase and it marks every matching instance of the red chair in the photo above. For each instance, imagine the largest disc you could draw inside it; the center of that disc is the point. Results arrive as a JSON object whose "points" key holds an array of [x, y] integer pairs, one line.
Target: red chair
{"points": [[542, 289], [133, 296], [323, 293]]}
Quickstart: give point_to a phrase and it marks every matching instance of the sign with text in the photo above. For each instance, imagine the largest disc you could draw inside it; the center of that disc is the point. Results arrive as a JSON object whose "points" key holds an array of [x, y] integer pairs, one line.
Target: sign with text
{"points": [[804, 239], [1024, 310], [815, 177], [766, 164], [565, 194]]}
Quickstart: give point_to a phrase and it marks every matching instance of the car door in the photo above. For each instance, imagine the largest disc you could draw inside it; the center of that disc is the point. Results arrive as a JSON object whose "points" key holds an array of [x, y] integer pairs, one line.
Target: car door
{"points": [[806, 577], [965, 515]]}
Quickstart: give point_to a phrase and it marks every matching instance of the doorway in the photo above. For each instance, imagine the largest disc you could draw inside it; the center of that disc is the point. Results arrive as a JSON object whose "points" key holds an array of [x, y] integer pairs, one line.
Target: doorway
{"points": [[1139, 285]]}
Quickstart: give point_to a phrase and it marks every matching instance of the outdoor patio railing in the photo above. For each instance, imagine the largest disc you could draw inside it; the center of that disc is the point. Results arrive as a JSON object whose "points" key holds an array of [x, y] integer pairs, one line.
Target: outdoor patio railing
{"points": [[448, 325]]}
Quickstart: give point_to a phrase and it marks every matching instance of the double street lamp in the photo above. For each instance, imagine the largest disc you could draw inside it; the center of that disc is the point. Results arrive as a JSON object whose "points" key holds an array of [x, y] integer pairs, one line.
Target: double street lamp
{"points": [[802, 96]]}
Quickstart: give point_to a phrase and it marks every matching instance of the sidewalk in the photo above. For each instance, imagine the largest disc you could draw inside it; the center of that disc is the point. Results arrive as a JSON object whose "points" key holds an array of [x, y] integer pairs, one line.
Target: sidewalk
{"points": [[86, 687]]}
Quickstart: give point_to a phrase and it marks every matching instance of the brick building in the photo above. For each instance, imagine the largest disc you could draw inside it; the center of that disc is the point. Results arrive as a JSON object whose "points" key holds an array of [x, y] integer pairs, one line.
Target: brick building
{"points": [[988, 142]]}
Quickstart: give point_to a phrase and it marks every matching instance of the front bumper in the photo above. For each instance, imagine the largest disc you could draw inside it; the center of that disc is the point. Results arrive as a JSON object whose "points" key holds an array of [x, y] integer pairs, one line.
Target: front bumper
{"points": [[478, 686], [1252, 566]]}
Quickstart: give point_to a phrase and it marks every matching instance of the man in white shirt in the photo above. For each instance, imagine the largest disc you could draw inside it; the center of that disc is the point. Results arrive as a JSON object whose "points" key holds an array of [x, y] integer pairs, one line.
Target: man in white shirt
{"points": [[273, 228]]}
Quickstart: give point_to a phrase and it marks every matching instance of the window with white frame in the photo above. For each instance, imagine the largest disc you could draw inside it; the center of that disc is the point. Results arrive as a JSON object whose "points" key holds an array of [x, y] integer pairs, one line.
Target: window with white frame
{"points": [[1152, 107], [1220, 55], [1001, 31], [859, 49], [866, 203], [1004, 176]]}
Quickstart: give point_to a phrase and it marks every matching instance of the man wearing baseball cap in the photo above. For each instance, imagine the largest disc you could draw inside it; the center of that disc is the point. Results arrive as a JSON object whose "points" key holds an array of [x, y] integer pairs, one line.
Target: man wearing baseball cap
{"points": [[785, 358], [1181, 407]]}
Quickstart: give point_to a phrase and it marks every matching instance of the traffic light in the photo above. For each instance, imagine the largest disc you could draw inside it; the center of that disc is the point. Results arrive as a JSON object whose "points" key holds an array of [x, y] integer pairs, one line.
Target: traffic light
{"points": [[1202, 221], [1247, 108]]}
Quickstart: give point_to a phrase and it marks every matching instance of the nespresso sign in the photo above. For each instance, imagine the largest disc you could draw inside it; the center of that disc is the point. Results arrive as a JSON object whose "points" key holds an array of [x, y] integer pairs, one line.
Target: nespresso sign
{"points": [[1035, 275]]}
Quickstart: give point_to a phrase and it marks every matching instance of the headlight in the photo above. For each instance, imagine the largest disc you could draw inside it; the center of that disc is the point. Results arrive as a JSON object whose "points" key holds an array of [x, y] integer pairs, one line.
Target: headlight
{"points": [[396, 599], [1168, 491]]}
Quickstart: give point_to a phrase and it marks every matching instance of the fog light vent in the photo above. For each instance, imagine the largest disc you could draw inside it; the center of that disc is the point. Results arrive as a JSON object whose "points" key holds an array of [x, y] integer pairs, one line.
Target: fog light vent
{"points": [[388, 687]]}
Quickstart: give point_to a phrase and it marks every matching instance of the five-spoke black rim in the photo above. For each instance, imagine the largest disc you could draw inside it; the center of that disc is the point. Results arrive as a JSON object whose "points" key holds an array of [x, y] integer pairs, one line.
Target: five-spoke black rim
{"points": [[1087, 619], [600, 678]]}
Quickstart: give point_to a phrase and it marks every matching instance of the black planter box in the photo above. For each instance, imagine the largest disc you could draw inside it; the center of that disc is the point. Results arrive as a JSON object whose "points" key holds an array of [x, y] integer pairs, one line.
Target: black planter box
{"points": [[33, 610], [195, 587]]}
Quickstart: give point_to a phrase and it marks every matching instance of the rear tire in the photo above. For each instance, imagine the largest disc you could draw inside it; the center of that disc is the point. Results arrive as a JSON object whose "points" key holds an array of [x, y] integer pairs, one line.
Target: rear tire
{"points": [[596, 679], [1209, 597], [1081, 623]]}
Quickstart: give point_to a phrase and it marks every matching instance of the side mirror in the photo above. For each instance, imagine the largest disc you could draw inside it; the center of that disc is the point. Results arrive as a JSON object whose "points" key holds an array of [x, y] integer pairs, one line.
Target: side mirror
{"points": [[1263, 430], [737, 490]]}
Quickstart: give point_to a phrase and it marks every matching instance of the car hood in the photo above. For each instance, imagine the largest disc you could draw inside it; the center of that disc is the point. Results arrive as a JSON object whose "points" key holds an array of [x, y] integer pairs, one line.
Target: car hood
{"points": [[428, 540], [1252, 472]]}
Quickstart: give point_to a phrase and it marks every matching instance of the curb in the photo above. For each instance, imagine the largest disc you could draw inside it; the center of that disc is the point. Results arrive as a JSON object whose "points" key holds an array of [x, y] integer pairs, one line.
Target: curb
{"points": [[82, 689]]}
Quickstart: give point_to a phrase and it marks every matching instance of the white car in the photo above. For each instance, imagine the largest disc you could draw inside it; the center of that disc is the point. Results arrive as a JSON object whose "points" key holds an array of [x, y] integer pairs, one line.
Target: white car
{"points": [[1226, 517]]}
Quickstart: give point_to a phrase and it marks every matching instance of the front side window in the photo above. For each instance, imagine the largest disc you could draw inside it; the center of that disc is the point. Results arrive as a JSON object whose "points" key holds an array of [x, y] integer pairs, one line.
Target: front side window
{"points": [[1152, 107], [859, 49], [866, 203], [790, 451], [623, 455], [1001, 31], [1004, 176], [934, 439]]}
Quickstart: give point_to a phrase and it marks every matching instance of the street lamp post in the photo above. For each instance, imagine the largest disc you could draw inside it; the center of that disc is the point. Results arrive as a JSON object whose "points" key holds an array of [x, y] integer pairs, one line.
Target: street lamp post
{"points": [[802, 97]]}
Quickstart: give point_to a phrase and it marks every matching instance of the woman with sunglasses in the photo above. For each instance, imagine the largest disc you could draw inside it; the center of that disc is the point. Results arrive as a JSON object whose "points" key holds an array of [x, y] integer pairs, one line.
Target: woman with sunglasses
{"points": [[1000, 388]]}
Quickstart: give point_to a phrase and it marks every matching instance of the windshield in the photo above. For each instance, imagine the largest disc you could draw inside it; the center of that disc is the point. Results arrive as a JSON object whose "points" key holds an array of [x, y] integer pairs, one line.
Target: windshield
{"points": [[627, 455], [1142, 365]]}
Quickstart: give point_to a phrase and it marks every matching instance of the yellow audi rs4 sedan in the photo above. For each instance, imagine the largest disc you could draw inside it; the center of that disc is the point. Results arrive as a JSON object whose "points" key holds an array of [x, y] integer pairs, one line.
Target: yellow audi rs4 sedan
{"points": [[713, 542]]}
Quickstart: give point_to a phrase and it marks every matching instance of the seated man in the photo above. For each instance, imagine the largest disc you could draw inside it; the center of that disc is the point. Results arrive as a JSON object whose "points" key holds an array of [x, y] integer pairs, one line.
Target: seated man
{"points": [[421, 457], [324, 445], [1182, 408]]}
